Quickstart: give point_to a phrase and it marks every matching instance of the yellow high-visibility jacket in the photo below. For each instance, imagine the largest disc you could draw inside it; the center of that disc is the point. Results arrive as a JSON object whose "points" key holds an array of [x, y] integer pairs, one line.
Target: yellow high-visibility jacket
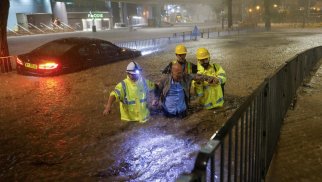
{"points": [[133, 97], [188, 67], [211, 95]]}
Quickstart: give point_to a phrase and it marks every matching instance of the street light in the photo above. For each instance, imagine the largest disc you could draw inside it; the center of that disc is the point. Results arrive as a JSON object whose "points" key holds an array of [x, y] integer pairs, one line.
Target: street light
{"points": [[256, 19]]}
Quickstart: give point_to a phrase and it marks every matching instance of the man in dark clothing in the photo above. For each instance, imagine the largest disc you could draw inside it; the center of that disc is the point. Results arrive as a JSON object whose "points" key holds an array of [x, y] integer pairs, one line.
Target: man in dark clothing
{"points": [[187, 67], [174, 91]]}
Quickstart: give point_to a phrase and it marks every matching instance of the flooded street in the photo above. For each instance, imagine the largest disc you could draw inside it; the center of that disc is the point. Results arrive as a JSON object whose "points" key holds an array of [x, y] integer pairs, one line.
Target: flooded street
{"points": [[53, 129]]}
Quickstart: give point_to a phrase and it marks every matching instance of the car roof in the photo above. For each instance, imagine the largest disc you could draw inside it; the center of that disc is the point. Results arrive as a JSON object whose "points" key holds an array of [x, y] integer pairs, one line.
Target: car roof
{"points": [[77, 40], [60, 46]]}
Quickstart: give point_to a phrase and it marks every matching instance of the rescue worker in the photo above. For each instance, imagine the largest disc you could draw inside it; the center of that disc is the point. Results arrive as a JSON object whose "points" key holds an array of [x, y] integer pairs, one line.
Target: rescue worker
{"points": [[174, 91], [211, 94], [187, 67], [132, 93]]}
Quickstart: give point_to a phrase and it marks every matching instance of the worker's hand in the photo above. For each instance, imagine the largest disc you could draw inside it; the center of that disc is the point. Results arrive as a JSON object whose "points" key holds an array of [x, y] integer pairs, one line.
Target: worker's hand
{"points": [[107, 110], [213, 80]]}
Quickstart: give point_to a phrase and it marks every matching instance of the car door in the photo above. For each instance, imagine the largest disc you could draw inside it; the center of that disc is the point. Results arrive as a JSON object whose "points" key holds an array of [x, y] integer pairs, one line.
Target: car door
{"points": [[90, 54]]}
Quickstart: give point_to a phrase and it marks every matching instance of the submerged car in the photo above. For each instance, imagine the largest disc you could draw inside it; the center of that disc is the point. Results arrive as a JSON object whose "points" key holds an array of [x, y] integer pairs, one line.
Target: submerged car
{"points": [[71, 54]]}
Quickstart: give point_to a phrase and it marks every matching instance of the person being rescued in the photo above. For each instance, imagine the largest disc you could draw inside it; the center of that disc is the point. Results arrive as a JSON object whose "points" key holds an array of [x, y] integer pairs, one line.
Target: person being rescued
{"points": [[209, 93], [173, 90]]}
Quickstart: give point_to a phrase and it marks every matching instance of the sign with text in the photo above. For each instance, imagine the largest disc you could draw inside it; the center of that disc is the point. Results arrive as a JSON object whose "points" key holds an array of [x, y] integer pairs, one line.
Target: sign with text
{"points": [[95, 15]]}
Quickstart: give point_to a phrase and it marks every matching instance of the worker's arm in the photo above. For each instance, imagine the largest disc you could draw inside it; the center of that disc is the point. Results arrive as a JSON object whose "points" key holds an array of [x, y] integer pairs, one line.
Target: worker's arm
{"points": [[116, 95], [167, 69], [210, 79], [220, 74], [108, 106]]}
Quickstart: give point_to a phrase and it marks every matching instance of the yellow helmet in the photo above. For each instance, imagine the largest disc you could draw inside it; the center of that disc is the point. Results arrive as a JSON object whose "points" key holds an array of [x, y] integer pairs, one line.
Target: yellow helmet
{"points": [[202, 53], [181, 49]]}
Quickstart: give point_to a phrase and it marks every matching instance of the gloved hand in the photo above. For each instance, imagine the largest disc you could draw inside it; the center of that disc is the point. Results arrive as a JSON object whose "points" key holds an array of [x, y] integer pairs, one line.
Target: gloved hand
{"points": [[213, 80]]}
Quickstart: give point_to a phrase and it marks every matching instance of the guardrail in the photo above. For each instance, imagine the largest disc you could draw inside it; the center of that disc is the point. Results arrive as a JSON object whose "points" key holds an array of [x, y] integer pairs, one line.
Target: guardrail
{"points": [[243, 148], [150, 44], [161, 43], [217, 32], [7, 64]]}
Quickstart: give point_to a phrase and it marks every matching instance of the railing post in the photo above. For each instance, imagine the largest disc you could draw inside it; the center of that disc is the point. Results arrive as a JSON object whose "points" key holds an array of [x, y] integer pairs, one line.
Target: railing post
{"points": [[264, 131], [9, 64], [206, 153], [2, 65], [5, 64]]}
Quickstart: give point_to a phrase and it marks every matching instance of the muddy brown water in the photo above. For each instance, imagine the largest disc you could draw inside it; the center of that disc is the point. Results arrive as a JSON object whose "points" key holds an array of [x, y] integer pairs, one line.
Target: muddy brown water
{"points": [[52, 128]]}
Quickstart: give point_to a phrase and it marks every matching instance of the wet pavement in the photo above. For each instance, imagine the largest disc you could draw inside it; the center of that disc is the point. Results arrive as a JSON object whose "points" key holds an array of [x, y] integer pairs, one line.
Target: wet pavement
{"points": [[52, 128]]}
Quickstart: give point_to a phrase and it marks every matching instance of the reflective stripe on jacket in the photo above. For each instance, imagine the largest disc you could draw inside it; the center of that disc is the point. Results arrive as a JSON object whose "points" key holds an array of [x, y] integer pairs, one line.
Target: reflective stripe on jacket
{"points": [[211, 95], [133, 97]]}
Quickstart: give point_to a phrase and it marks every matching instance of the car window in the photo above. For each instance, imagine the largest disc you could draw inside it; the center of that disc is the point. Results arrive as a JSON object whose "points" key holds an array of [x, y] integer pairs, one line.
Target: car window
{"points": [[53, 48], [84, 51], [108, 49], [87, 50]]}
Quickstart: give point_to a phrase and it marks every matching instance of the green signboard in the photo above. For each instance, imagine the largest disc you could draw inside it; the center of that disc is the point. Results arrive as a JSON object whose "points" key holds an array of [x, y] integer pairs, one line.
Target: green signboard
{"points": [[95, 15]]}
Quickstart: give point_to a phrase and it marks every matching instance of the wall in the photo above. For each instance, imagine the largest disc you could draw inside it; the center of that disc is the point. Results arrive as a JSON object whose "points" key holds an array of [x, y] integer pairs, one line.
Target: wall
{"points": [[26, 7]]}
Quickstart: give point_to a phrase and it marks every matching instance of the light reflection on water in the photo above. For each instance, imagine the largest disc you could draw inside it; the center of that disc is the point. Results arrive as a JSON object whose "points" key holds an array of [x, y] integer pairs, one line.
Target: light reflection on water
{"points": [[150, 51], [153, 155], [49, 101]]}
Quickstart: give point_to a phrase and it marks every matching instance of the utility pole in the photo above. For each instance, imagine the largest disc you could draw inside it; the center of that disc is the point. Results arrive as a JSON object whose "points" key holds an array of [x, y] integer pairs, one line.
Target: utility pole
{"points": [[307, 12], [230, 13], [267, 16]]}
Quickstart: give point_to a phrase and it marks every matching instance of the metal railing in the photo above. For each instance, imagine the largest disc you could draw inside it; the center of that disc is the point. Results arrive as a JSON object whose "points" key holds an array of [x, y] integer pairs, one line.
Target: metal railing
{"points": [[23, 29], [150, 44], [7, 64], [67, 26], [32, 26], [161, 43], [44, 26], [11, 31], [243, 148]]}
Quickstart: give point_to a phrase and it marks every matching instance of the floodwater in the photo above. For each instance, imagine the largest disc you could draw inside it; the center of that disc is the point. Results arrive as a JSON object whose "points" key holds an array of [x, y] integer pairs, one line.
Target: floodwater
{"points": [[52, 128]]}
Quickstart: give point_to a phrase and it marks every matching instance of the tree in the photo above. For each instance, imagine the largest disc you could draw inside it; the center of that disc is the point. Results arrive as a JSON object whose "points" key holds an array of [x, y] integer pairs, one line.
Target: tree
{"points": [[4, 12]]}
